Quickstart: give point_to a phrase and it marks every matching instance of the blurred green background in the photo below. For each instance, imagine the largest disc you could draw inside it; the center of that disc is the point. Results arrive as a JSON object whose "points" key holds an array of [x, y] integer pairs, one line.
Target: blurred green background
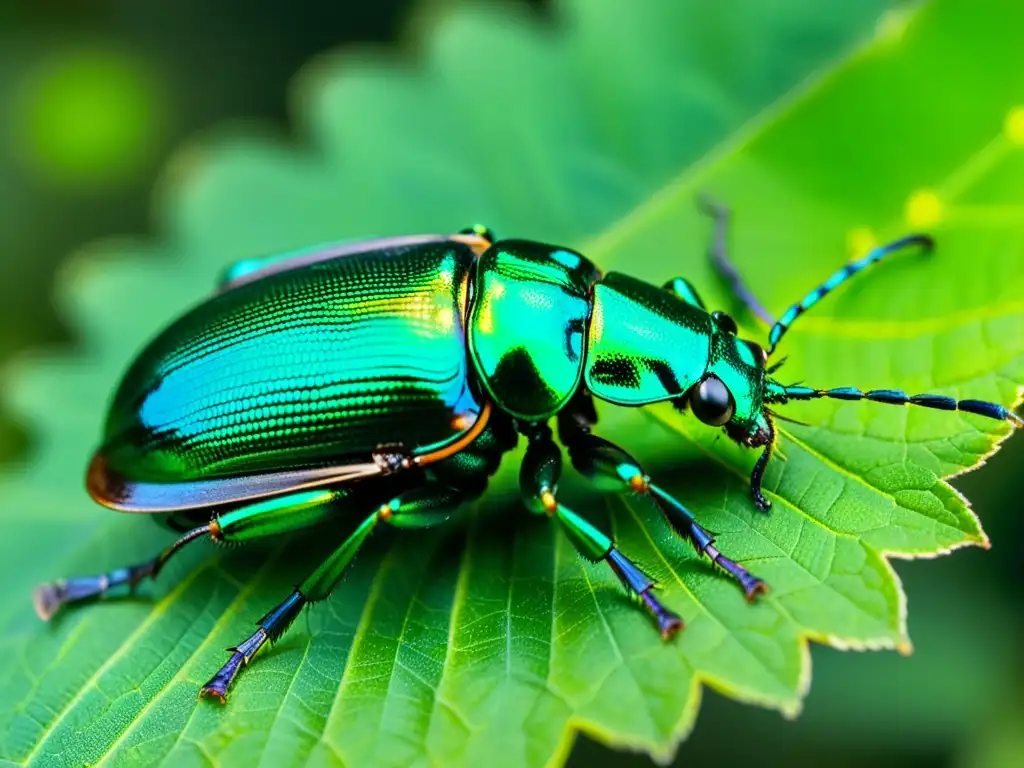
{"points": [[95, 95]]}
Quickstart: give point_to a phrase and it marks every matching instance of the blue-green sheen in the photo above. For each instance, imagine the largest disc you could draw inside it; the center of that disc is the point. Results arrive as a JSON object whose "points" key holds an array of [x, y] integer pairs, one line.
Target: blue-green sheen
{"points": [[736, 364], [276, 516], [303, 368], [527, 327], [645, 344]]}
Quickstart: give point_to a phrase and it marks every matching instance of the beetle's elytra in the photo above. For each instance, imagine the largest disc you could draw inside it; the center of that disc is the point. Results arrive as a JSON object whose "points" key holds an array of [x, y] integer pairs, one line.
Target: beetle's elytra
{"points": [[385, 379]]}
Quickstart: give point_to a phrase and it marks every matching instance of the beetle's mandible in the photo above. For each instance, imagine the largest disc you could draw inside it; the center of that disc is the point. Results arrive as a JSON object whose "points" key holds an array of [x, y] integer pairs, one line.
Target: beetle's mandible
{"points": [[385, 380]]}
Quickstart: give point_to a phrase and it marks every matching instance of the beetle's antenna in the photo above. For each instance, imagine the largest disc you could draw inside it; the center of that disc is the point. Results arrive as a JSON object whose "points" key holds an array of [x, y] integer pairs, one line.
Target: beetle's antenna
{"points": [[777, 393], [720, 258], [837, 279]]}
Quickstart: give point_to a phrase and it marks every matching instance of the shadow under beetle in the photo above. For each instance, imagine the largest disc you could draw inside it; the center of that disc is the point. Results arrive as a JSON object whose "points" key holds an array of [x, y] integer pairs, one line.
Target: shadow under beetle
{"points": [[386, 378]]}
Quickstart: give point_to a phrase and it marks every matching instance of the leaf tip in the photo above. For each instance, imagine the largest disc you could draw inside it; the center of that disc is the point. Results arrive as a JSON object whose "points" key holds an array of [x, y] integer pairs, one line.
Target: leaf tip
{"points": [[791, 710], [904, 647]]}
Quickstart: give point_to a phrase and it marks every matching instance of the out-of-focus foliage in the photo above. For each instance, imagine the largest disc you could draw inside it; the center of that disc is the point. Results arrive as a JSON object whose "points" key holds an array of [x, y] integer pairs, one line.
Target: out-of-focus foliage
{"points": [[95, 93], [119, 680], [108, 99]]}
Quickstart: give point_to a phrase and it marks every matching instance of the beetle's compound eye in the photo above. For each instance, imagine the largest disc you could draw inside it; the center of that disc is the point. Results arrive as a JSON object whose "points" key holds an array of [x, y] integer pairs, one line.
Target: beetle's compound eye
{"points": [[758, 351], [712, 402], [724, 321]]}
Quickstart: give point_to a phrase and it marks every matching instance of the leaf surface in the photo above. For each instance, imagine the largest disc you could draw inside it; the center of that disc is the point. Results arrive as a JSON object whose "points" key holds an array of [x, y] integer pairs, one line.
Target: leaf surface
{"points": [[491, 642]]}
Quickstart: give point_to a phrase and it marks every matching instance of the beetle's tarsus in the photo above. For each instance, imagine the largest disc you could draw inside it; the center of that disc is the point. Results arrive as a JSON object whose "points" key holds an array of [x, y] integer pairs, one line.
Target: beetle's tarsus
{"points": [[752, 586], [48, 598], [760, 501], [204, 692], [669, 623], [219, 684]]}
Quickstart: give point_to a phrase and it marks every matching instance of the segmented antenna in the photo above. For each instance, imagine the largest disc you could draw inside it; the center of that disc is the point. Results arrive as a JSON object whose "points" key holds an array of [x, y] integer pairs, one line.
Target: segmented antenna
{"points": [[837, 279], [781, 394]]}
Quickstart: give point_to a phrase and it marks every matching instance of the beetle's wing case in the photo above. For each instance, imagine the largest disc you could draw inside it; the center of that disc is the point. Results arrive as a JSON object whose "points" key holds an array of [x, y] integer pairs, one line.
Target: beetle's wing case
{"points": [[247, 270], [311, 367]]}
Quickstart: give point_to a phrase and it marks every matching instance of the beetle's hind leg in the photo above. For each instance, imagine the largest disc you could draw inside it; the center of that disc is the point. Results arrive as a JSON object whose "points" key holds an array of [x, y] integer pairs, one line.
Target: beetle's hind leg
{"points": [[419, 507], [719, 253], [260, 519], [538, 482], [49, 598], [611, 468]]}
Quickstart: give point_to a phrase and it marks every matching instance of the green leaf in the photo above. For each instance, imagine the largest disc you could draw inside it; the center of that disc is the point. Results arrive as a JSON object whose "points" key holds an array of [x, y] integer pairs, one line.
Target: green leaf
{"points": [[491, 643]]}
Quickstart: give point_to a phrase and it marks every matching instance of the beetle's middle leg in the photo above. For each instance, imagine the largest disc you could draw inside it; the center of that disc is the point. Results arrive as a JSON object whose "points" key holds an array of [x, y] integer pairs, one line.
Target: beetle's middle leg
{"points": [[538, 480], [611, 468], [418, 507]]}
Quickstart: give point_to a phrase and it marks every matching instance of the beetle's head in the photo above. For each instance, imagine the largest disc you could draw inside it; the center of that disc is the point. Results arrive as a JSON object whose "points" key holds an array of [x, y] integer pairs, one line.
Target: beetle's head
{"points": [[648, 345], [737, 387], [731, 392]]}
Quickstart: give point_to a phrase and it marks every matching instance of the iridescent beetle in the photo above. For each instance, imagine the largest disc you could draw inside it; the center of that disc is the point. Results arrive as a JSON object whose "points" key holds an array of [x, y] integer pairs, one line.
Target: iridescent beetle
{"points": [[385, 379]]}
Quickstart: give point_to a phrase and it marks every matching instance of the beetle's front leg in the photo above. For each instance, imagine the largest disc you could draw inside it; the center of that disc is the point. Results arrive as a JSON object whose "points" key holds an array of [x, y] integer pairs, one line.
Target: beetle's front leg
{"points": [[538, 481], [611, 468], [419, 507], [265, 518]]}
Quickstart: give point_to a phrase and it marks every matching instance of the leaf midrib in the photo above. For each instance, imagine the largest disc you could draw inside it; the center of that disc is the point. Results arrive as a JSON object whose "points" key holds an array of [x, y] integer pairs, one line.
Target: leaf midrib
{"points": [[732, 145]]}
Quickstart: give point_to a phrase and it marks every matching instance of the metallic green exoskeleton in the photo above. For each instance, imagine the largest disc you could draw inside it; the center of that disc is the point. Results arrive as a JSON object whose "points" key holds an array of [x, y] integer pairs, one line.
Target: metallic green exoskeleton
{"points": [[385, 380]]}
